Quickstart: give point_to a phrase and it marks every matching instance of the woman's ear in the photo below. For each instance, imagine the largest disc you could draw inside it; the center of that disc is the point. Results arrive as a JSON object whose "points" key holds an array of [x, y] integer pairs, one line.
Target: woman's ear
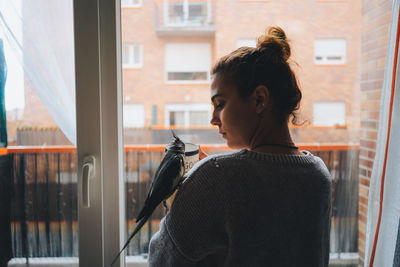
{"points": [[261, 97]]}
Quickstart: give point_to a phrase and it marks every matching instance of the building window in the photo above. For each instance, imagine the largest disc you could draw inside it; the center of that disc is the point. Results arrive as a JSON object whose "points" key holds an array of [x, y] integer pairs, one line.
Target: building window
{"points": [[187, 62], [187, 115], [247, 42], [132, 55], [329, 51], [180, 13], [133, 115], [329, 114], [131, 3]]}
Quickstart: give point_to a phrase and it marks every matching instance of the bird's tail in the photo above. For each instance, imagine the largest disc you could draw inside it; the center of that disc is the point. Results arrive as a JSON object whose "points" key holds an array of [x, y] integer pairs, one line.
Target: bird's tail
{"points": [[137, 229]]}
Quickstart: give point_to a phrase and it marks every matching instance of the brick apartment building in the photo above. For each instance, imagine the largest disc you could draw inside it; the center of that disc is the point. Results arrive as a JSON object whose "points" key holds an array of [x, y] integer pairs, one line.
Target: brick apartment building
{"points": [[170, 46]]}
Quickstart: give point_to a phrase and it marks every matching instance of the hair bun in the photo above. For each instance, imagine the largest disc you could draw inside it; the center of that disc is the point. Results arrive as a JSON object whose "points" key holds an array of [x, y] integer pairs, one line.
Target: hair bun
{"points": [[274, 43]]}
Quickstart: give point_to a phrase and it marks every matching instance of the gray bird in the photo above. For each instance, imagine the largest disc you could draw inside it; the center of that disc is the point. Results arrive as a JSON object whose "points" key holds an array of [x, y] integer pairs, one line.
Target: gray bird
{"points": [[169, 175]]}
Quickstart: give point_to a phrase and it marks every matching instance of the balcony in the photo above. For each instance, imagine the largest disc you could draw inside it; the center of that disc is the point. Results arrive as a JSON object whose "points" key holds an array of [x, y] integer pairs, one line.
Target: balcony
{"points": [[44, 203], [185, 18]]}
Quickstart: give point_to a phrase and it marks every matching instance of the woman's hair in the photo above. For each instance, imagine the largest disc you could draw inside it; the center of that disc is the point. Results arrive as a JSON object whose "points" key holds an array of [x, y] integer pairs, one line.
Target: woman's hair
{"points": [[267, 64]]}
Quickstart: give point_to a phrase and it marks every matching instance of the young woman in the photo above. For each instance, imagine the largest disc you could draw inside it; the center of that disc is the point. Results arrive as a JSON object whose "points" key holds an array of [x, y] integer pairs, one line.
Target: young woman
{"points": [[267, 204]]}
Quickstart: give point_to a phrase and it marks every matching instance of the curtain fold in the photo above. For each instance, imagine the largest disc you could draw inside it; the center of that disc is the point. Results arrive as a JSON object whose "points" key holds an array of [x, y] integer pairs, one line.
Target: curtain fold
{"points": [[40, 35], [384, 194]]}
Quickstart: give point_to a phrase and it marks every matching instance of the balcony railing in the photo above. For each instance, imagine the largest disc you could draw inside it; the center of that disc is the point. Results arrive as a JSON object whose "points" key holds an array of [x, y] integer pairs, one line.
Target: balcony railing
{"points": [[44, 203], [185, 18]]}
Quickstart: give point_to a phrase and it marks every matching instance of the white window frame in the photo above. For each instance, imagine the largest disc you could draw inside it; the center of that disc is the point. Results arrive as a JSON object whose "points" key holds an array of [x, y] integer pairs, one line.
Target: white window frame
{"points": [[98, 82], [131, 3], [207, 80], [186, 108], [131, 56], [342, 103], [325, 60]]}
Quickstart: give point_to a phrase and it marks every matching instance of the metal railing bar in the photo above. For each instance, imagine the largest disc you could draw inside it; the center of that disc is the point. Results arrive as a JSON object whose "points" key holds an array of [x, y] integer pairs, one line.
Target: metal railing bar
{"points": [[47, 209], [149, 231], [71, 195], [13, 217], [59, 246], [23, 219], [36, 206], [127, 158], [161, 147], [138, 203]]}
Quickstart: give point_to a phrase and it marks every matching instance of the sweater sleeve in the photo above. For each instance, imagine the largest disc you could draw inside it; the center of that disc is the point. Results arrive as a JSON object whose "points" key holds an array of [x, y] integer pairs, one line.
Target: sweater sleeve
{"points": [[163, 252], [195, 221]]}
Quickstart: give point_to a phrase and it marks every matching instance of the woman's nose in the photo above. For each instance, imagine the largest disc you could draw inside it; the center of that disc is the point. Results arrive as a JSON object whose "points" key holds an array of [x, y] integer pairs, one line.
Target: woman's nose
{"points": [[215, 120]]}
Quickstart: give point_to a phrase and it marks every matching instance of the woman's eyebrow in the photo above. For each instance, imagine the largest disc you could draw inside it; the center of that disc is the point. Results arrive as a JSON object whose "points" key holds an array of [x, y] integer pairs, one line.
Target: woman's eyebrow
{"points": [[214, 96]]}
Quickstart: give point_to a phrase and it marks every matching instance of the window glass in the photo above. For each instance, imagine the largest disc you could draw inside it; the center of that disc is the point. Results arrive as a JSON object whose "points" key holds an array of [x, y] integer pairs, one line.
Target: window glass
{"points": [[175, 13], [132, 55], [330, 51], [177, 118], [197, 12]]}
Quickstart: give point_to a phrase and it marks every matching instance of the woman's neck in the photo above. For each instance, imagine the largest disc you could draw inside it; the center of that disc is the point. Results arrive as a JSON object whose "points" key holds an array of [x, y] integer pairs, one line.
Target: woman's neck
{"points": [[274, 139]]}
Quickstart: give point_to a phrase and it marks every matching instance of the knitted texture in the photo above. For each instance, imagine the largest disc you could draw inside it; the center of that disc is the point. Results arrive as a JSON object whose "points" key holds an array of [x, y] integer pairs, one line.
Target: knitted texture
{"points": [[248, 209]]}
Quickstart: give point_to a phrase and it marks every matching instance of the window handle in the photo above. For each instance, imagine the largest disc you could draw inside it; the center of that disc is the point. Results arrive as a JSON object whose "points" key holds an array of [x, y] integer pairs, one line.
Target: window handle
{"points": [[88, 172]]}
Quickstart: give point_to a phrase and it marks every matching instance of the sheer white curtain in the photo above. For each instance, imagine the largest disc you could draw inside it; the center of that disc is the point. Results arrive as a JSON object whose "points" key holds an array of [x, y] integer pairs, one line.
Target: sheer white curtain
{"points": [[45, 50], [384, 197]]}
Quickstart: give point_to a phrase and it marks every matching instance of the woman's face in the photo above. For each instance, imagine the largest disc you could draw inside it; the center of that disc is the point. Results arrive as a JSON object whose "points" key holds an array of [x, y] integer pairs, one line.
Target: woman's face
{"points": [[235, 117]]}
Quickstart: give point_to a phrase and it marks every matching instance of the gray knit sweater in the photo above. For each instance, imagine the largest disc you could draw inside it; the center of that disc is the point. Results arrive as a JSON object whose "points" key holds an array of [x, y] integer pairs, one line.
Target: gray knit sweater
{"points": [[248, 209]]}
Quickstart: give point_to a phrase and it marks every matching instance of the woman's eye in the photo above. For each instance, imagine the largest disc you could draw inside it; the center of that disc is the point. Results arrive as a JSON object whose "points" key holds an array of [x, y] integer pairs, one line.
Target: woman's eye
{"points": [[219, 105]]}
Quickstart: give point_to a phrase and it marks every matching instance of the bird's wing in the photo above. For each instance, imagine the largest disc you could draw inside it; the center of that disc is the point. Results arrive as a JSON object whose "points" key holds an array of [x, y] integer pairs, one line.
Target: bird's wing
{"points": [[167, 176]]}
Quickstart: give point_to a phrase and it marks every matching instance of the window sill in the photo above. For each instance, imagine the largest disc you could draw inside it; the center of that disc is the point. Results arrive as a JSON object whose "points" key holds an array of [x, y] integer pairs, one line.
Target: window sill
{"points": [[139, 261], [131, 261]]}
